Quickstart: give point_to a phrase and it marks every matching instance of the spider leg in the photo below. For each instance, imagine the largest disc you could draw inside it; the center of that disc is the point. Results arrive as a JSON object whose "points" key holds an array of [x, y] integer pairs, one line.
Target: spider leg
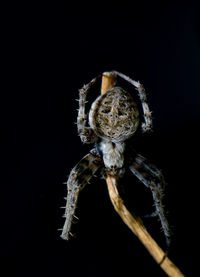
{"points": [[86, 134], [147, 124], [151, 170], [79, 176], [152, 178]]}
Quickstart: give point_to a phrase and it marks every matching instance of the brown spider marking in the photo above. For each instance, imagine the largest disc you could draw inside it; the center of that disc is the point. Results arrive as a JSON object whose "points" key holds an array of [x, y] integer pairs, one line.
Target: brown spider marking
{"points": [[114, 115]]}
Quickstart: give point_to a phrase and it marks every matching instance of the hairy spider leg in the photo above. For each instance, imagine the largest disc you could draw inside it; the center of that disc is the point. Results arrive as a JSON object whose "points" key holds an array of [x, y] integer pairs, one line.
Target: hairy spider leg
{"points": [[147, 124], [152, 178], [86, 134], [79, 176], [152, 170]]}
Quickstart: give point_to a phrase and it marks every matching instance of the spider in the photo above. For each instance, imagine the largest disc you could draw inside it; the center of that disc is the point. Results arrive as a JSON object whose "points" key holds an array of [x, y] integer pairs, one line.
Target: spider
{"points": [[113, 119]]}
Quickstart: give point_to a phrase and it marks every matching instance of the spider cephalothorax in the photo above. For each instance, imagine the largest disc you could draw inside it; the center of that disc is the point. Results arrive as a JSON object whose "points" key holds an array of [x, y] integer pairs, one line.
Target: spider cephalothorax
{"points": [[113, 119]]}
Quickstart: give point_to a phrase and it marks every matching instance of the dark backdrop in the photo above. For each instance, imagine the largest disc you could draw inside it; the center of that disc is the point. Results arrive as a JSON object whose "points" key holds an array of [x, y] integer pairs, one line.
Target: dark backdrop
{"points": [[50, 51]]}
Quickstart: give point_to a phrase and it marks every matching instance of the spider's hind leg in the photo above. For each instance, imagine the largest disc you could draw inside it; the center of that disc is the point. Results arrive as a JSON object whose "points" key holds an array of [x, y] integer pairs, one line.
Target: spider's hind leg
{"points": [[78, 178], [152, 171], [152, 178]]}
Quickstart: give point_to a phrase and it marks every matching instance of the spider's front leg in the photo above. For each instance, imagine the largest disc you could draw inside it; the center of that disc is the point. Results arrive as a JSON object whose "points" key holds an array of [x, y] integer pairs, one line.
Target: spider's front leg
{"points": [[147, 124], [86, 134], [152, 178], [78, 178]]}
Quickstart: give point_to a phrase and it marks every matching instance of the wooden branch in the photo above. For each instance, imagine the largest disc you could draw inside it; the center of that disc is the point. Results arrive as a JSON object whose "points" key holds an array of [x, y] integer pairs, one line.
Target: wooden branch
{"points": [[132, 221], [108, 81]]}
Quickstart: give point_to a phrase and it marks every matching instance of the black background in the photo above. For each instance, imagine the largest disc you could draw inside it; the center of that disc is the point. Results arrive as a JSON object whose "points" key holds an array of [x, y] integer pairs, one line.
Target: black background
{"points": [[49, 51]]}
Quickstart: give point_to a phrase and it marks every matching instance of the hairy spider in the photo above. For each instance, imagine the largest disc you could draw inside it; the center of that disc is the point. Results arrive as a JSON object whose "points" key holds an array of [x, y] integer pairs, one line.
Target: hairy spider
{"points": [[113, 119]]}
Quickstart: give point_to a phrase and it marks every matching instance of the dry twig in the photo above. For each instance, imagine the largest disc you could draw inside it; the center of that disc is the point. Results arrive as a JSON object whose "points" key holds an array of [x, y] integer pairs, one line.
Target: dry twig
{"points": [[133, 222]]}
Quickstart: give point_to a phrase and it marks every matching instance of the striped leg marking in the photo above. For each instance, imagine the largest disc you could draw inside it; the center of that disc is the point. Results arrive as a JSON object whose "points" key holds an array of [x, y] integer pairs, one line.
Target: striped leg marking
{"points": [[78, 178], [152, 178]]}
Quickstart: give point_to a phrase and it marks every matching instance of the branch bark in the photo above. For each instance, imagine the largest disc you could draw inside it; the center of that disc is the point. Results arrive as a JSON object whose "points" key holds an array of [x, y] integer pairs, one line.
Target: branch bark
{"points": [[133, 222]]}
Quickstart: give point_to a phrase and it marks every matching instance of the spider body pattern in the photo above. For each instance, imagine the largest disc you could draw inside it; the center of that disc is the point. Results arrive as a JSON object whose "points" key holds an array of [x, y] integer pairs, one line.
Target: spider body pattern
{"points": [[113, 119]]}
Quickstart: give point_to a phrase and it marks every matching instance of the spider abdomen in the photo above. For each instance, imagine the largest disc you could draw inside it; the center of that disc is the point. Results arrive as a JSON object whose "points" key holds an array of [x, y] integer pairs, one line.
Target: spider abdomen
{"points": [[114, 115]]}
